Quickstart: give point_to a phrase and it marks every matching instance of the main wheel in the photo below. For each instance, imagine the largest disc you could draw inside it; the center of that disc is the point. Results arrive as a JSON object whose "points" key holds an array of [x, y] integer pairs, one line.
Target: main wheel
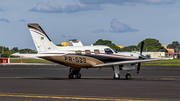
{"points": [[78, 76], [128, 76], [71, 76], [116, 77]]}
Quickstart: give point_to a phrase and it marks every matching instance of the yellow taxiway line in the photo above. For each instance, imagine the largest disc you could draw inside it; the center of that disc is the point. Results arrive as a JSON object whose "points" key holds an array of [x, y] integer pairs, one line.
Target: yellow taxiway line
{"points": [[70, 98]]}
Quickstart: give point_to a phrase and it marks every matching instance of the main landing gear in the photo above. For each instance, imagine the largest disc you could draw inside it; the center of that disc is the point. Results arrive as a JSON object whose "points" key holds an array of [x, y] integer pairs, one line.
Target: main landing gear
{"points": [[117, 73], [74, 73]]}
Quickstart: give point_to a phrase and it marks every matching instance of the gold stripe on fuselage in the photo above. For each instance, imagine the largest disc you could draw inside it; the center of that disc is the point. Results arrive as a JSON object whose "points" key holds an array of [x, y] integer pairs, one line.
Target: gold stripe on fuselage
{"points": [[76, 61]]}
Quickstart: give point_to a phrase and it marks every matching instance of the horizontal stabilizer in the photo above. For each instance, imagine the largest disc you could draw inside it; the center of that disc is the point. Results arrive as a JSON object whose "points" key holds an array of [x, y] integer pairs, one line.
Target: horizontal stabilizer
{"points": [[25, 55]]}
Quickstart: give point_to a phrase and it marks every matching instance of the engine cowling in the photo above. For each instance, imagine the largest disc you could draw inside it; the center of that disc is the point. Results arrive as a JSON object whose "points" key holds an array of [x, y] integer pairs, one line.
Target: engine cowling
{"points": [[128, 67]]}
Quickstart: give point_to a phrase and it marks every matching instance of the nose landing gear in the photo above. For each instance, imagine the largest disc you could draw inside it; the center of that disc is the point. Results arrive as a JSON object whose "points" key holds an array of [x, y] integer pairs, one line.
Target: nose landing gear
{"points": [[116, 72], [128, 76]]}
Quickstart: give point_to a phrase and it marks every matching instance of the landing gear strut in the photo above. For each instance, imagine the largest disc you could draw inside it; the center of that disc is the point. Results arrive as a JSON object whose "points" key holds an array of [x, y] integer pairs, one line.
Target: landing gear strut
{"points": [[74, 73], [116, 77], [116, 72]]}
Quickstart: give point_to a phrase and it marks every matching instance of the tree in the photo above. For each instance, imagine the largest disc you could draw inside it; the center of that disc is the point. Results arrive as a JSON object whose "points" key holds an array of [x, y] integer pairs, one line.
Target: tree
{"points": [[129, 48], [15, 50], [148, 56], [6, 54], [26, 50], [107, 43], [3, 49], [102, 42], [175, 45], [58, 45], [152, 45]]}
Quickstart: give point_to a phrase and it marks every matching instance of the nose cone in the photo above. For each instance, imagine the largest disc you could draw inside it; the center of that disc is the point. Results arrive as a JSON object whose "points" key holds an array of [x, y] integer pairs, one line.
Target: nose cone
{"points": [[143, 57]]}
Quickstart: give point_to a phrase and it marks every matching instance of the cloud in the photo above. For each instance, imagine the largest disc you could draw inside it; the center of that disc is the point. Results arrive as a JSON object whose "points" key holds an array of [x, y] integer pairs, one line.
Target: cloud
{"points": [[22, 20], [157, 2], [87, 5], [55, 8], [81, 7], [123, 2], [118, 27], [4, 20], [99, 31], [64, 36], [50, 7], [1, 9]]}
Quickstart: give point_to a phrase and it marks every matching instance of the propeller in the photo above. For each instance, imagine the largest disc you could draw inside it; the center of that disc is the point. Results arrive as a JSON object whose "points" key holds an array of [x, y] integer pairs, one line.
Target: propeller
{"points": [[139, 64]]}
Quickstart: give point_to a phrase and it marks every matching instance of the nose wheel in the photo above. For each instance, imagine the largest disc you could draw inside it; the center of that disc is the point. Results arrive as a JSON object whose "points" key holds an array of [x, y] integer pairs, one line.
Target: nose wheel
{"points": [[128, 76]]}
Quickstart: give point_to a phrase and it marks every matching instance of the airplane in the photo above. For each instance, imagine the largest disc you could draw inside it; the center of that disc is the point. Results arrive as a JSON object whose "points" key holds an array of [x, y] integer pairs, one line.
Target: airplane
{"points": [[79, 56]]}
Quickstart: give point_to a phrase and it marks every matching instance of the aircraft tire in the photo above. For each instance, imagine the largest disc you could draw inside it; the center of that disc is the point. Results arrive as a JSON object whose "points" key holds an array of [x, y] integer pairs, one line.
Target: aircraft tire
{"points": [[71, 76], [78, 76], [128, 76]]}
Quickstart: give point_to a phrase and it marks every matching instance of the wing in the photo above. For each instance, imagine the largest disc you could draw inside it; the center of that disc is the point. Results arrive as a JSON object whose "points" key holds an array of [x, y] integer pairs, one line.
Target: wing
{"points": [[127, 62]]}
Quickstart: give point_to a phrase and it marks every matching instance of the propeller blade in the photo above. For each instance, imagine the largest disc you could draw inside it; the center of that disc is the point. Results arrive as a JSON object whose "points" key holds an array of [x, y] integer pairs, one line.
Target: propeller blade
{"points": [[142, 45], [138, 68], [139, 64]]}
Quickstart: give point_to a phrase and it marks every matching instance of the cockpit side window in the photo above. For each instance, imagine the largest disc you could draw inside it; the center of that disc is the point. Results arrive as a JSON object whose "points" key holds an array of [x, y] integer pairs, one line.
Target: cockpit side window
{"points": [[108, 51]]}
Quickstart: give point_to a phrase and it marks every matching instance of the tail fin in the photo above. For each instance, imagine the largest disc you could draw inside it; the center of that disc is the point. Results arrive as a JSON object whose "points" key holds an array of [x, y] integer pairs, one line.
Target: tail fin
{"points": [[41, 40]]}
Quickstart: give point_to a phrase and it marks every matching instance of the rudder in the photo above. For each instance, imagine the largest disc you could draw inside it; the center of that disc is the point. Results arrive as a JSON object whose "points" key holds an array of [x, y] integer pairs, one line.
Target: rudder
{"points": [[42, 42]]}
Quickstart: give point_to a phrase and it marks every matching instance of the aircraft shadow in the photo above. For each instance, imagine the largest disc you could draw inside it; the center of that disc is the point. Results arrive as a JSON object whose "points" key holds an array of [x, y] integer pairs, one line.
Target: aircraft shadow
{"points": [[123, 79]]}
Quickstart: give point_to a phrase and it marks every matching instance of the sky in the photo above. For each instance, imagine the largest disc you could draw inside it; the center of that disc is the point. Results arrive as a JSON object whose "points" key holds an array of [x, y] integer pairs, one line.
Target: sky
{"points": [[124, 22]]}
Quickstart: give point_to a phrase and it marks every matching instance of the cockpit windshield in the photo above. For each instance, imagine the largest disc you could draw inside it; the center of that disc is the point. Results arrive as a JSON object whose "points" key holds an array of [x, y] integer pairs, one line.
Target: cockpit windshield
{"points": [[115, 51], [108, 51]]}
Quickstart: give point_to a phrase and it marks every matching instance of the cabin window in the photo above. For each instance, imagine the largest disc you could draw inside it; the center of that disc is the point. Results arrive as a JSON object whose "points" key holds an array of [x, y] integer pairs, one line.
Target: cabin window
{"points": [[78, 52], [108, 51], [96, 51], [88, 52]]}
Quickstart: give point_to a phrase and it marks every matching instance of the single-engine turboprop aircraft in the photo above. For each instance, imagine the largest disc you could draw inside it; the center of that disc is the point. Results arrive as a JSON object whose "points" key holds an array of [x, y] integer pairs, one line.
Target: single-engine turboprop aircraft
{"points": [[80, 56]]}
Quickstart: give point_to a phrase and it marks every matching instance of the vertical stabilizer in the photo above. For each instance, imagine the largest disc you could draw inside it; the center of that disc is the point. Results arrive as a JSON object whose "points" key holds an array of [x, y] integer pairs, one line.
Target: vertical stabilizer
{"points": [[42, 42]]}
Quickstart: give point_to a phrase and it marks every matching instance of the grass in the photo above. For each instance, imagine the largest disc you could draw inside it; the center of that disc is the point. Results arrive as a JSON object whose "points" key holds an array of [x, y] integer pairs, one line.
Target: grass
{"points": [[160, 64], [166, 61], [29, 61], [172, 62]]}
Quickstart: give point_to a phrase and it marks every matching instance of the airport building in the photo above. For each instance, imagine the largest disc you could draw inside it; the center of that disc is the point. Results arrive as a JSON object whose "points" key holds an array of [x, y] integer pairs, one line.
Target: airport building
{"points": [[121, 46], [65, 43], [170, 54], [154, 54]]}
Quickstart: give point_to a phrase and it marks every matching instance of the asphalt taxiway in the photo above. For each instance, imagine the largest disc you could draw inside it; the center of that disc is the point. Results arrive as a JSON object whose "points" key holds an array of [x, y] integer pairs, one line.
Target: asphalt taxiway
{"points": [[50, 83]]}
